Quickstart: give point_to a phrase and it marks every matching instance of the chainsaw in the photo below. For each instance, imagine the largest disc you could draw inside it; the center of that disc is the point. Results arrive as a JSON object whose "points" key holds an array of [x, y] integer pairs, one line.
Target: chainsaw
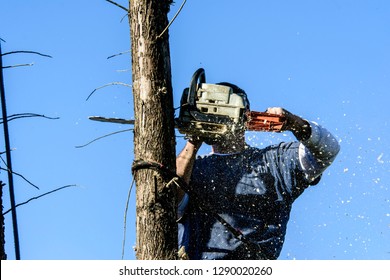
{"points": [[214, 110]]}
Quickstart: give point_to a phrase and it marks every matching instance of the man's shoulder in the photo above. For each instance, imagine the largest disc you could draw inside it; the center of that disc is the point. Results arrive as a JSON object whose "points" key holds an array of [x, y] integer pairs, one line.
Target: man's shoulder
{"points": [[251, 152]]}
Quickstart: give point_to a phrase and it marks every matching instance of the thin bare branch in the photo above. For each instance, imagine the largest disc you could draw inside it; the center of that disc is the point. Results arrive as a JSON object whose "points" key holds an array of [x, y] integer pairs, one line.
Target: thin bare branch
{"points": [[127, 14], [13, 149], [101, 137], [172, 20], [106, 85], [32, 52], [18, 65], [27, 115], [125, 219], [13, 172], [39, 196], [20, 175], [118, 5], [111, 120], [114, 55]]}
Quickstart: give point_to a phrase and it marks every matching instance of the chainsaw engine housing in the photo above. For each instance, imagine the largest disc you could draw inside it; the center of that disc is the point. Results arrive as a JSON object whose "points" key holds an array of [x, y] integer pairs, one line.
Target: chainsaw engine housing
{"points": [[210, 110]]}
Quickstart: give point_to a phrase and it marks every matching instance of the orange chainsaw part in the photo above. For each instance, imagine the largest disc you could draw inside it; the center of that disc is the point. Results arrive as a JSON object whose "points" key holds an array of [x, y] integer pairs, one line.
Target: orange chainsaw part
{"points": [[261, 121]]}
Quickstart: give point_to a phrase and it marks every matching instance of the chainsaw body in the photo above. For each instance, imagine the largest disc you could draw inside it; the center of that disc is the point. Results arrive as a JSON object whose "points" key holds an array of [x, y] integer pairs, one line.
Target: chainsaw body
{"points": [[216, 111], [213, 110]]}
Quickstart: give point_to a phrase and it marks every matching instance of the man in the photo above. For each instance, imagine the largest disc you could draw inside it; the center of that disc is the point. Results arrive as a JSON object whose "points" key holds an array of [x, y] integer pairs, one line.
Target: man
{"points": [[248, 191]]}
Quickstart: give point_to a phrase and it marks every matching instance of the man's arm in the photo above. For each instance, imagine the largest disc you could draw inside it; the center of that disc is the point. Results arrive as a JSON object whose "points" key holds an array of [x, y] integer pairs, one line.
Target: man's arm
{"points": [[185, 162], [318, 146], [317, 152]]}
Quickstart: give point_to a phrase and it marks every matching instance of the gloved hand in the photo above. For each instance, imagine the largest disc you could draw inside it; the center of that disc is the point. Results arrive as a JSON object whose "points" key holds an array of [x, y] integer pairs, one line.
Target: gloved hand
{"points": [[198, 140], [195, 140], [298, 126]]}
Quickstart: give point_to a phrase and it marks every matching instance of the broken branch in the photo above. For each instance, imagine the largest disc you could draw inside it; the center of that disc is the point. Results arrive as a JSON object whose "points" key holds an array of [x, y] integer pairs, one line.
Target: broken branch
{"points": [[39, 196], [20, 175], [27, 115], [172, 20], [118, 5], [114, 55], [106, 85], [38, 53], [101, 137]]}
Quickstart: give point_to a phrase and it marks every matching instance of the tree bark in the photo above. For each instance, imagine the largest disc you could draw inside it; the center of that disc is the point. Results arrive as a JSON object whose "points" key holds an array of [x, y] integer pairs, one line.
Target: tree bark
{"points": [[154, 134]]}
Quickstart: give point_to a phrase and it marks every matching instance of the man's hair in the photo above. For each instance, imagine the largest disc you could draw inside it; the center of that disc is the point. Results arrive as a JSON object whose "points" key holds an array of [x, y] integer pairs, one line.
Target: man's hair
{"points": [[238, 91]]}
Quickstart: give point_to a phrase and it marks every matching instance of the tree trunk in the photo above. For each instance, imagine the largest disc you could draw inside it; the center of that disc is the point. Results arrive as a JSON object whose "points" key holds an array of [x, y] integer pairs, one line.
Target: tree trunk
{"points": [[154, 135]]}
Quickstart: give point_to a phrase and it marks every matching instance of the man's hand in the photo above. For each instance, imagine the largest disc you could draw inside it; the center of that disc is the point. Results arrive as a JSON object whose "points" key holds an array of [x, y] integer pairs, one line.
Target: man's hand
{"points": [[298, 126], [195, 140]]}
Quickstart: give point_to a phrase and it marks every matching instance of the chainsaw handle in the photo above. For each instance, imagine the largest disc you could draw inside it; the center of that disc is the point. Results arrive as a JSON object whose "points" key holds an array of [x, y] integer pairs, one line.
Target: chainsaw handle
{"points": [[262, 121], [200, 76]]}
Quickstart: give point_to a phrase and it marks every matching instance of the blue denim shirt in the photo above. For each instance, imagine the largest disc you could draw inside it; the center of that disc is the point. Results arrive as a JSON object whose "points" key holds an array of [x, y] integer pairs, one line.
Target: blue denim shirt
{"points": [[254, 192]]}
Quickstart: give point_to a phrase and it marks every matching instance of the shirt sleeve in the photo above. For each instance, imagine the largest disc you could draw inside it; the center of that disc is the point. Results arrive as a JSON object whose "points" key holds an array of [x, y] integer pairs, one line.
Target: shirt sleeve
{"points": [[318, 152], [181, 208]]}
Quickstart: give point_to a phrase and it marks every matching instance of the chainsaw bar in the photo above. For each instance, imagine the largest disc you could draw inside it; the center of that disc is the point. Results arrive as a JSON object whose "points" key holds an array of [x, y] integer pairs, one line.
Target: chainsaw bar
{"points": [[256, 121], [261, 121]]}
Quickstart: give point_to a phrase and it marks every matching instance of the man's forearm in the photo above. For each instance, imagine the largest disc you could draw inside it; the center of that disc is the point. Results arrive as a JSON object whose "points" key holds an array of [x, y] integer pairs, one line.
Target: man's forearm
{"points": [[298, 126], [318, 152], [185, 162], [321, 143]]}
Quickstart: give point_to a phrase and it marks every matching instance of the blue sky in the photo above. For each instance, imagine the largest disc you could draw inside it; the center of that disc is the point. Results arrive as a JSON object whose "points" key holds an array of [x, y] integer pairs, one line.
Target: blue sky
{"points": [[327, 61]]}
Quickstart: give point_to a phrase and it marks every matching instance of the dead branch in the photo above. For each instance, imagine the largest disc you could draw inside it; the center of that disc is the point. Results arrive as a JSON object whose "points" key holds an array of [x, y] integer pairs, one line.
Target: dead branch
{"points": [[114, 55], [126, 15], [118, 5], [18, 65], [13, 172], [125, 218], [27, 115], [106, 85], [172, 20], [4, 152], [26, 64], [20, 175], [32, 52], [39, 196], [111, 120], [101, 137]]}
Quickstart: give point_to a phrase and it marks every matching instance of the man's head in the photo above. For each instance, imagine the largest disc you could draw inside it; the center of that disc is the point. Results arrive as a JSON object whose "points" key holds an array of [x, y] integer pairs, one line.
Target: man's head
{"points": [[233, 141]]}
